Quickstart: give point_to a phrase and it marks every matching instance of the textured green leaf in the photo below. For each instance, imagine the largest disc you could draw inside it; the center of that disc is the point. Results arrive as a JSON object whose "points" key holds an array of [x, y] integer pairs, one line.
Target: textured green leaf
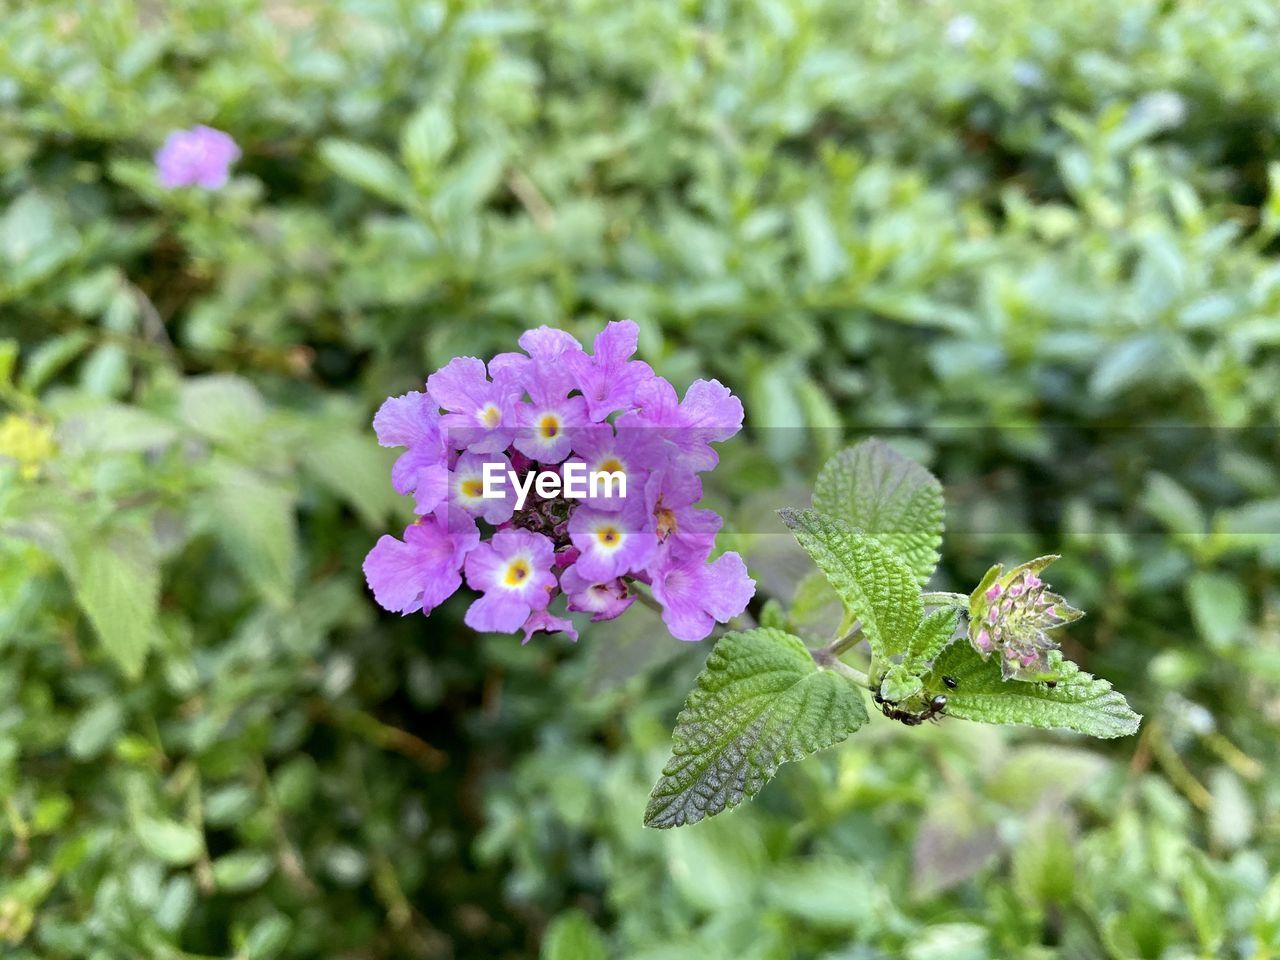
{"points": [[880, 492], [759, 702], [875, 584], [117, 584], [932, 634], [1079, 701]]}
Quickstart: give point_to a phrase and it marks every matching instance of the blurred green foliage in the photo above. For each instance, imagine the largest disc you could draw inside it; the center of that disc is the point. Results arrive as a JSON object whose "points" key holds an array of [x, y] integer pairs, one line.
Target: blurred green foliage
{"points": [[1038, 242]]}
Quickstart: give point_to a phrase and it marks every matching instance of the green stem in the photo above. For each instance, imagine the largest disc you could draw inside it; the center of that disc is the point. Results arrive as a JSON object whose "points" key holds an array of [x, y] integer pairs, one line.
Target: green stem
{"points": [[850, 674], [846, 642]]}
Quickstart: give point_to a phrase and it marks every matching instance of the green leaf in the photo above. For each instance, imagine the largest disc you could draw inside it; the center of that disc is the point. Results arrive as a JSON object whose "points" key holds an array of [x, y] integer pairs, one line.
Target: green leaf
{"points": [[932, 634], [95, 729], [117, 583], [900, 683], [880, 492], [222, 407], [365, 167], [824, 255], [1044, 866], [876, 586], [426, 140], [1078, 702], [268, 938], [1218, 607], [253, 518], [572, 936], [242, 870], [759, 702], [177, 844], [355, 468]]}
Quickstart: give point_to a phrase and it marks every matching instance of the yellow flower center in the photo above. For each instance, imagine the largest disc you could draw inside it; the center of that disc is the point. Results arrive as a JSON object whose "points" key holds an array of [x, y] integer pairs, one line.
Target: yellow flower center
{"points": [[517, 572], [473, 487], [491, 416], [550, 426], [612, 465], [609, 537]]}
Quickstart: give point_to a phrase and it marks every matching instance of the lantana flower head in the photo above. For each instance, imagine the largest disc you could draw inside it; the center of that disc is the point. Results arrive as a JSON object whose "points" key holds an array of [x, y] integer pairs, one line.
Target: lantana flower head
{"points": [[482, 439], [1010, 615]]}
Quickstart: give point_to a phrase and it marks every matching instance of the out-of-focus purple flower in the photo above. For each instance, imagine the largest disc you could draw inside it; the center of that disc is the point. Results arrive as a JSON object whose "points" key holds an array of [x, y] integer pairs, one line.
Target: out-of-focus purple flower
{"points": [[481, 412], [199, 157], [696, 595], [541, 621], [613, 543], [532, 417], [422, 571], [513, 572], [608, 378], [604, 601], [1009, 614]]}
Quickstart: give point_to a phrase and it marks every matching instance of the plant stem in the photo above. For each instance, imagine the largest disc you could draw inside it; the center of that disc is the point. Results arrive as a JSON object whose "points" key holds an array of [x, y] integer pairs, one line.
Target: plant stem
{"points": [[850, 674], [849, 640]]}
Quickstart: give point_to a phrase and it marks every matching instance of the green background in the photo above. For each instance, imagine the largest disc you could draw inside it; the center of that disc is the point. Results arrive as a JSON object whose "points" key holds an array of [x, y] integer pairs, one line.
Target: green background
{"points": [[1037, 248]]}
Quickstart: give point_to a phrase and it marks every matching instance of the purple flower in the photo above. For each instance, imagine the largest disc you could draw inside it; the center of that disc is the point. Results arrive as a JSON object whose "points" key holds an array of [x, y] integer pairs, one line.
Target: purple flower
{"points": [[603, 601], [546, 427], [708, 414], [199, 157], [412, 421], [612, 543], [1009, 614], [540, 621], [421, 572], [608, 379], [602, 450], [513, 572], [466, 488], [546, 369], [481, 413], [696, 595]]}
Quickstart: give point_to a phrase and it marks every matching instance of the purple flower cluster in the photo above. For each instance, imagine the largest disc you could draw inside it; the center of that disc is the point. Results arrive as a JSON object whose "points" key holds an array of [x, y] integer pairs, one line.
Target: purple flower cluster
{"points": [[541, 411], [199, 157]]}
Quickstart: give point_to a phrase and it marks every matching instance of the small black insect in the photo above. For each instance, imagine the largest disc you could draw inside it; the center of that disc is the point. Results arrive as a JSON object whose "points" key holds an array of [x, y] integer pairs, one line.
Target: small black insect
{"points": [[1050, 684], [951, 682], [891, 709]]}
